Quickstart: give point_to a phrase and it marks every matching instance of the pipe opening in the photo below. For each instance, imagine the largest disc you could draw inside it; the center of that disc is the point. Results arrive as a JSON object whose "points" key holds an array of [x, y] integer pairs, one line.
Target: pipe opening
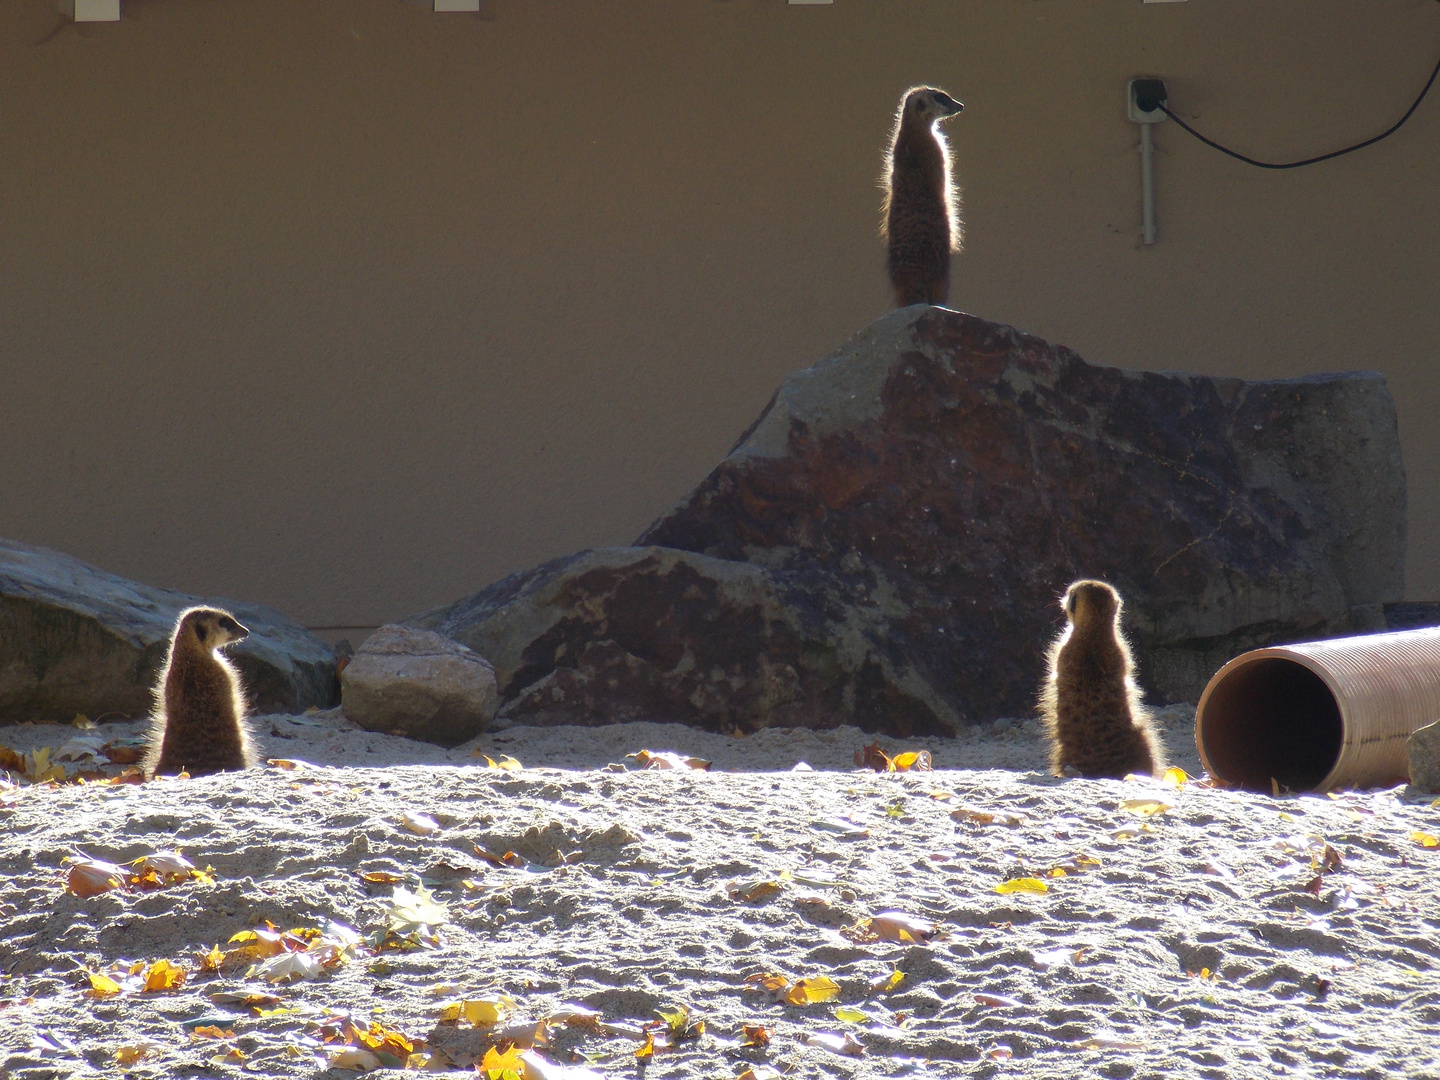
{"points": [[1272, 718]]}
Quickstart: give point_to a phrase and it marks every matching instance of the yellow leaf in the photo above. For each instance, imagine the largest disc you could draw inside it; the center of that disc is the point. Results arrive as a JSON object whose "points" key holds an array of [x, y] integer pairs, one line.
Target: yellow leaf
{"points": [[494, 1062], [809, 991], [382, 877], [450, 1012], [1174, 777], [212, 960], [648, 1050], [210, 1031], [488, 1011], [885, 983], [911, 761], [102, 985], [163, 975], [851, 1015], [128, 1055], [1425, 839], [506, 763], [1024, 884], [1144, 807]]}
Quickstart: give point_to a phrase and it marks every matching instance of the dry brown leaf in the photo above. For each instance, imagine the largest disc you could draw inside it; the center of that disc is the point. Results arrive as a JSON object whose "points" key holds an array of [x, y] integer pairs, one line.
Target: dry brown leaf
{"points": [[872, 757], [90, 877]]}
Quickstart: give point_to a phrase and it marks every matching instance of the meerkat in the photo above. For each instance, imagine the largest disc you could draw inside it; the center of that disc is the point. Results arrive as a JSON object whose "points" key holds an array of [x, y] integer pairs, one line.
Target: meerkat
{"points": [[920, 216], [1090, 704], [199, 721]]}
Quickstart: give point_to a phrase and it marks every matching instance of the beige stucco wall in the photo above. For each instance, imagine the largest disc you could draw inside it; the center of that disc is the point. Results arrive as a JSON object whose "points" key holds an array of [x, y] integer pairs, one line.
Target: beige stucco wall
{"points": [[350, 307]]}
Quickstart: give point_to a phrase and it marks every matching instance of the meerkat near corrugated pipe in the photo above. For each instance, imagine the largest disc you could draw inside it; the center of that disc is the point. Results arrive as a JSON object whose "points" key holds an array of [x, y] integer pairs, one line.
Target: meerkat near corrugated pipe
{"points": [[920, 217], [1090, 704], [199, 722]]}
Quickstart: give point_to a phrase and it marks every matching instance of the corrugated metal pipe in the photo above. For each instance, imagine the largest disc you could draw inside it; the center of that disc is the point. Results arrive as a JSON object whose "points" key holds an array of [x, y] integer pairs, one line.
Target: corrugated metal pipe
{"points": [[1321, 716]]}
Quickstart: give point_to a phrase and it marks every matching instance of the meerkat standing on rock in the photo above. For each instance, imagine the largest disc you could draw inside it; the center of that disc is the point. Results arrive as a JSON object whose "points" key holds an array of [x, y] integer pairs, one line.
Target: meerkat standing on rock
{"points": [[1090, 704], [921, 215], [199, 723]]}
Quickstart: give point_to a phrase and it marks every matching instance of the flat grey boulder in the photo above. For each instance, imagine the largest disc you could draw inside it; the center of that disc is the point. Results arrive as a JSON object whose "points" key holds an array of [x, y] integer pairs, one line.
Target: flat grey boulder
{"points": [[637, 634], [405, 681], [1424, 751], [75, 639]]}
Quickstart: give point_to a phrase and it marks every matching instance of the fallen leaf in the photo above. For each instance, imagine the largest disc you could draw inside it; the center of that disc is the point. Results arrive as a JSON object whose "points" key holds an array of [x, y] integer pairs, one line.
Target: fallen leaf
{"points": [[747, 892], [420, 824], [648, 1048], [1425, 839], [412, 912], [211, 1031], [755, 1035], [163, 975], [133, 1052], [351, 1057], [286, 966], [487, 1011], [846, 829], [851, 1015], [885, 983], [872, 757], [667, 759], [382, 877], [972, 816], [911, 761], [102, 986], [1174, 777], [892, 926], [998, 1001], [760, 1072], [1024, 884], [846, 1045], [1144, 807], [90, 877], [809, 991], [505, 764]]}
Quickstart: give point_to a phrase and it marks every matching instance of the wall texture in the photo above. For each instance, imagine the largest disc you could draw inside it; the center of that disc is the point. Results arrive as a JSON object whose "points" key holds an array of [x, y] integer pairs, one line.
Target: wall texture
{"points": [[351, 307]]}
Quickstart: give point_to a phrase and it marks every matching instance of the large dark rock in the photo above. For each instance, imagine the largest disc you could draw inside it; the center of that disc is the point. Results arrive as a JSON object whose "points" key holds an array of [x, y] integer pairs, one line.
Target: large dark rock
{"points": [[967, 472], [76, 639], [886, 544], [624, 634]]}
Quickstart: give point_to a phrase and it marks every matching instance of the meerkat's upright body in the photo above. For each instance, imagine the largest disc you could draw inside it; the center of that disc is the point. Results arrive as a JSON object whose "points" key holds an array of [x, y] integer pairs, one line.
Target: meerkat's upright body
{"points": [[921, 214], [1090, 704], [199, 723]]}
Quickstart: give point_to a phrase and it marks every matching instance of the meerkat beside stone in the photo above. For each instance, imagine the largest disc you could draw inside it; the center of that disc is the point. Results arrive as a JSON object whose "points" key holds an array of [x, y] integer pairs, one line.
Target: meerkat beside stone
{"points": [[199, 723], [921, 214], [1090, 704]]}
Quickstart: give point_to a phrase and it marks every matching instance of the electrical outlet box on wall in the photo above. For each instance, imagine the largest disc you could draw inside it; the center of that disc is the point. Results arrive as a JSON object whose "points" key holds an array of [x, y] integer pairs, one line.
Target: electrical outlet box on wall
{"points": [[91, 10]]}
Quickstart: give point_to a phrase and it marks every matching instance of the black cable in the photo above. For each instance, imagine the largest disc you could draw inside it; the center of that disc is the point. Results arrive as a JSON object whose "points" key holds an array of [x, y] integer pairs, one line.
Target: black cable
{"points": [[1323, 157]]}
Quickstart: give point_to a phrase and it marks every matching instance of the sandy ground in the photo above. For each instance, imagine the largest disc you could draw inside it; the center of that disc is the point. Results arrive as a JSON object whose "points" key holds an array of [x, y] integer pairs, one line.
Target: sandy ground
{"points": [[1183, 933]]}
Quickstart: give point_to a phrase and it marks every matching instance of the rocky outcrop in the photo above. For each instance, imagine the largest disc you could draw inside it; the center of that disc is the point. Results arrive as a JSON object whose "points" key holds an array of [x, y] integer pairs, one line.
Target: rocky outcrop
{"points": [[74, 639], [405, 681], [969, 472], [626, 634], [1423, 749], [886, 544]]}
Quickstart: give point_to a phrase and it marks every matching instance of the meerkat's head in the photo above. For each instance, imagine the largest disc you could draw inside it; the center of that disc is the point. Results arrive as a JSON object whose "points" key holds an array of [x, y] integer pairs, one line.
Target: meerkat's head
{"points": [[925, 105], [210, 627], [1091, 603]]}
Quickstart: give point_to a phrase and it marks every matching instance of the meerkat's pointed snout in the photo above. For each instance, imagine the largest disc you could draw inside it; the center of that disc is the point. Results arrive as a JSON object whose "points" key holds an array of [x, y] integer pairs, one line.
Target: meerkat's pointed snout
{"points": [[948, 105]]}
